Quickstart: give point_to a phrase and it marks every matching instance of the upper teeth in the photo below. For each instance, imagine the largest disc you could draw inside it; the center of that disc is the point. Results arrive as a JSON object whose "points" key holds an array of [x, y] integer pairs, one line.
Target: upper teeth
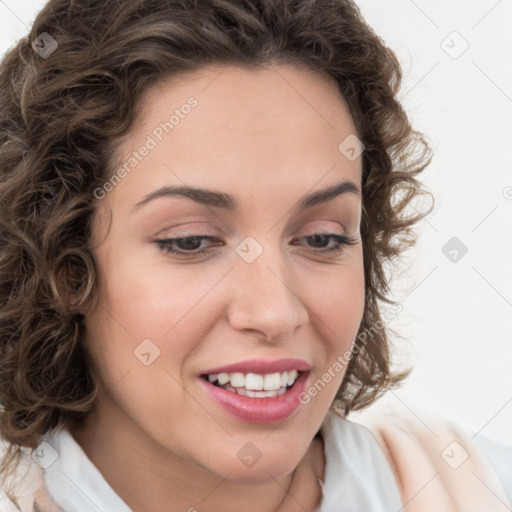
{"points": [[256, 381]]}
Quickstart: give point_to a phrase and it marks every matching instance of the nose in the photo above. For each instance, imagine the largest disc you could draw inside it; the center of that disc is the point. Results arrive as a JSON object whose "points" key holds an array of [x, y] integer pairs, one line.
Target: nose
{"points": [[265, 300]]}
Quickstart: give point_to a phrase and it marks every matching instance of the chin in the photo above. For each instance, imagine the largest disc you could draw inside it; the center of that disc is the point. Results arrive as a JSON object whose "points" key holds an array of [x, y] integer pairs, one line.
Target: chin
{"points": [[261, 471], [259, 460]]}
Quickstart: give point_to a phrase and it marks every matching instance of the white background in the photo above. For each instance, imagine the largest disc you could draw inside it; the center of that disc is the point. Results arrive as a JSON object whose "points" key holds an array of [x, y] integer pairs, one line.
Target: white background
{"points": [[457, 316]]}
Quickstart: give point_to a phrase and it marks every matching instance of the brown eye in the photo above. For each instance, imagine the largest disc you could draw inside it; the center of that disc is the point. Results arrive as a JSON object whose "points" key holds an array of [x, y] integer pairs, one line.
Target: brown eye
{"points": [[321, 242], [184, 245]]}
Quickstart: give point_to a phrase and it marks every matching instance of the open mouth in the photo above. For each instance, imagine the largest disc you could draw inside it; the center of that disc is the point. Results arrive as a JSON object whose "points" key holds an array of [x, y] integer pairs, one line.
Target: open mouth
{"points": [[255, 385]]}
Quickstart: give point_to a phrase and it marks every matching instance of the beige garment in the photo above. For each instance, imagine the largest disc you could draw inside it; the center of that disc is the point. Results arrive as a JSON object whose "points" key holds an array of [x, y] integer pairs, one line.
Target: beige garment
{"points": [[438, 466], [25, 491]]}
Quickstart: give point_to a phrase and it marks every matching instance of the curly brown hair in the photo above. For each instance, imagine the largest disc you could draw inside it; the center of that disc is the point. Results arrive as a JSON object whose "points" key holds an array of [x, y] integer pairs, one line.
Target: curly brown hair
{"points": [[62, 116]]}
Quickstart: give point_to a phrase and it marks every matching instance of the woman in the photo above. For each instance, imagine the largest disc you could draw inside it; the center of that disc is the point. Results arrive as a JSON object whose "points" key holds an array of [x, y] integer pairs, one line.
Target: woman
{"points": [[199, 200]]}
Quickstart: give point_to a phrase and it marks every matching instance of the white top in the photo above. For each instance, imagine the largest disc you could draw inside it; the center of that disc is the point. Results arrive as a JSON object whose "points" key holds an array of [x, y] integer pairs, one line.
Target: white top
{"points": [[357, 475]]}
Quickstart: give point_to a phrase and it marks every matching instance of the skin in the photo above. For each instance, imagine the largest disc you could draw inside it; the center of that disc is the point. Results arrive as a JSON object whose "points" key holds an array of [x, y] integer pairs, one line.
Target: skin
{"points": [[268, 137]]}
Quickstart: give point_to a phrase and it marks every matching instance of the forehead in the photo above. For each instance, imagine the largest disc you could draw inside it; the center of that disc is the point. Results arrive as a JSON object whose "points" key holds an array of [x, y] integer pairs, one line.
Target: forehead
{"points": [[243, 96], [280, 126]]}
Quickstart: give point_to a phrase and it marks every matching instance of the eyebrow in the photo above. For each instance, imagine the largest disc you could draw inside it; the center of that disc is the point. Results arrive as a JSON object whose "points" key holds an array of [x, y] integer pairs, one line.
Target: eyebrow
{"points": [[227, 202]]}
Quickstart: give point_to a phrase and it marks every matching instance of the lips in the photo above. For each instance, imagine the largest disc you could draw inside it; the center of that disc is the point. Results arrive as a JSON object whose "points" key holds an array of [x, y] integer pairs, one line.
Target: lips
{"points": [[249, 406], [258, 410], [261, 366]]}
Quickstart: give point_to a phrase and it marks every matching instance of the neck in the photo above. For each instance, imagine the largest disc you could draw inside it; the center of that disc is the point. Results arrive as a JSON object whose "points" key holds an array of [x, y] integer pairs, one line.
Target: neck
{"points": [[147, 477]]}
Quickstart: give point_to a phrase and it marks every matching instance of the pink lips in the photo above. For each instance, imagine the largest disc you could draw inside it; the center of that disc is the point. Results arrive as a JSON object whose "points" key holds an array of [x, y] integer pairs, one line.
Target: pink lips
{"points": [[259, 410], [261, 366]]}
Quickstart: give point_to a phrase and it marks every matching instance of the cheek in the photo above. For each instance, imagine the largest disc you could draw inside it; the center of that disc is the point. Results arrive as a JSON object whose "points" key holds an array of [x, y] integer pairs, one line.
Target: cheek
{"points": [[339, 319], [338, 300], [140, 301], [133, 357], [150, 297]]}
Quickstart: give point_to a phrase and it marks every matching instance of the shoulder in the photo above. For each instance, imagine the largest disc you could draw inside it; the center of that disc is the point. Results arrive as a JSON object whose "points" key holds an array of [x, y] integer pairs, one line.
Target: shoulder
{"points": [[356, 469], [500, 456], [25, 489], [15, 488], [437, 460], [351, 439]]}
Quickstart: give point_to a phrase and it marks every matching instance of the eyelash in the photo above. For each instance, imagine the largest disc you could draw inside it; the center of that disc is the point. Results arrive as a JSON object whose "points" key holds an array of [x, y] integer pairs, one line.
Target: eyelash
{"points": [[166, 244]]}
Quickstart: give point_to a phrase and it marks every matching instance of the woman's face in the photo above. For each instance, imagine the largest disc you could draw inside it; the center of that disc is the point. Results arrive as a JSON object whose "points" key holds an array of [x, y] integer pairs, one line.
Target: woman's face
{"points": [[265, 287]]}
